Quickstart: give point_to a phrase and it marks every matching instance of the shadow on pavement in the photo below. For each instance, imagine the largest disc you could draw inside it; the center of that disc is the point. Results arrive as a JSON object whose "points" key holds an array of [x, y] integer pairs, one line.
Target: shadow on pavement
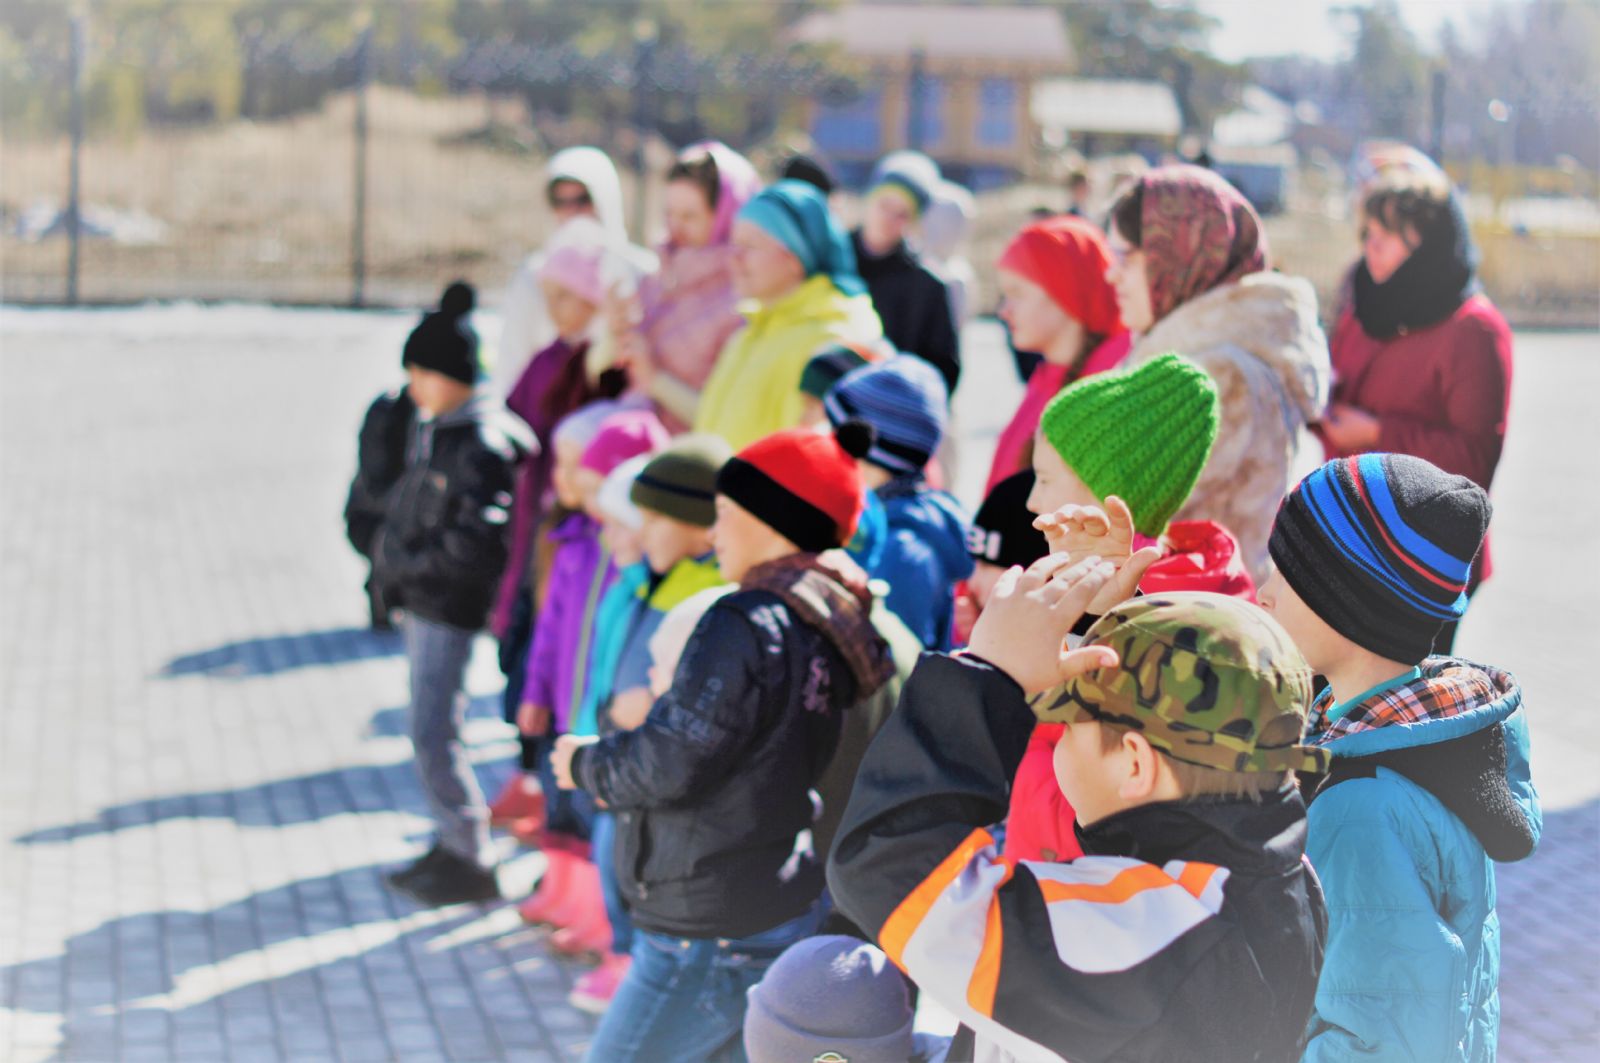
{"points": [[272, 654]]}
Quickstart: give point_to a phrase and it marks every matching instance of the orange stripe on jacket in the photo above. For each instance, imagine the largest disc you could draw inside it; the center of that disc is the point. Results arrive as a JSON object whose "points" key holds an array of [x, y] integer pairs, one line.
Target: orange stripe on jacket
{"points": [[909, 914], [986, 974], [1124, 885], [1195, 877]]}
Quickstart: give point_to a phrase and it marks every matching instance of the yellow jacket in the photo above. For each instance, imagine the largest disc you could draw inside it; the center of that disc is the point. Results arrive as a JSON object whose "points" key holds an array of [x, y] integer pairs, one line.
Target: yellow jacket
{"points": [[755, 388]]}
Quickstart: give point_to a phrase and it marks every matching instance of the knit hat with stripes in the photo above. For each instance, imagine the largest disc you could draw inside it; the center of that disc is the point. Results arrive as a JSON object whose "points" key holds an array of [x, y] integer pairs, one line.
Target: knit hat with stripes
{"points": [[681, 481], [906, 402], [1380, 547]]}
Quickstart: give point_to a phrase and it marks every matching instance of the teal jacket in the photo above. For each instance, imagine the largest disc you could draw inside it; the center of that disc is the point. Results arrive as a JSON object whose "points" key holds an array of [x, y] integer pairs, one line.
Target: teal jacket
{"points": [[1429, 786]]}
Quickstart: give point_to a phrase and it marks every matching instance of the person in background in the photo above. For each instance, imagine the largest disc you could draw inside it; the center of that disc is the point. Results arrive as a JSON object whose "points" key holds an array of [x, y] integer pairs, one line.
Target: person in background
{"points": [[669, 336], [1190, 268], [1056, 300], [1429, 783], [829, 366], [436, 554], [945, 226], [579, 183], [794, 264], [911, 300], [802, 167], [1421, 358], [1078, 193], [925, 555], [712, 792]]}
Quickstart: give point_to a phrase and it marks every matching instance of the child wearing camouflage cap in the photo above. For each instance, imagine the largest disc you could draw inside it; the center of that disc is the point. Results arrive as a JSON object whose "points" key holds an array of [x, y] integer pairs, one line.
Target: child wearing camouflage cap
{"points": [[1192, 928], [1429, 783]]}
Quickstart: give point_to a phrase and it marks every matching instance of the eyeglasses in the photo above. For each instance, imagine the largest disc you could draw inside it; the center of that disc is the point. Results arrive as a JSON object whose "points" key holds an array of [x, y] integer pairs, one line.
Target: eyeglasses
{"points": [[578, 202]]}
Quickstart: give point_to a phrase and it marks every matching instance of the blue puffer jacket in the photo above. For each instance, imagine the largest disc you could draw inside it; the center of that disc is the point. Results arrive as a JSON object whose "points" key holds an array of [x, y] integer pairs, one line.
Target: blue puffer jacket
{"points": [[1403, 832], [924, 556]]}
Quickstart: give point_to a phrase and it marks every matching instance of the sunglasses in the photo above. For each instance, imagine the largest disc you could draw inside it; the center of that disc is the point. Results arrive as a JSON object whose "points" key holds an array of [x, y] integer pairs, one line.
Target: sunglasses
{"points": [[577, 202]]}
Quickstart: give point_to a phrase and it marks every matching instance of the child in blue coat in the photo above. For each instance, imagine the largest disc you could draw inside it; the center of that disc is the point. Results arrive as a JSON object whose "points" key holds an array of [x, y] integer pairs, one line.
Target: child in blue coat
{"points": [[1429, 783], [924, 554]]}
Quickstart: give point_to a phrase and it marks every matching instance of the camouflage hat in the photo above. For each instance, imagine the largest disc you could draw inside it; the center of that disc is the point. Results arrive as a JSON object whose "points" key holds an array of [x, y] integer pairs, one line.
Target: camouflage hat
{"points": [[1208, 679]]}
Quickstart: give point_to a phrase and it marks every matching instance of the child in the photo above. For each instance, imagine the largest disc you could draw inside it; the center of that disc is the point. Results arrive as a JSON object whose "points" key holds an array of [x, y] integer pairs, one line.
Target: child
{"points": [[1133, 442], [834, 998], [1002, 535], [826, 368], [1430, 779], [1193, 928], [925, 554], [712, 792], [553, 385], [558, 660], [436, 554], [672, 494]]}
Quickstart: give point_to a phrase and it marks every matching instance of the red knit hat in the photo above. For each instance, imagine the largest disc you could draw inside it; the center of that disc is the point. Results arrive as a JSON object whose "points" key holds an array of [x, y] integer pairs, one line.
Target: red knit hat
{"points": [[802, 484], [1068, 258]]}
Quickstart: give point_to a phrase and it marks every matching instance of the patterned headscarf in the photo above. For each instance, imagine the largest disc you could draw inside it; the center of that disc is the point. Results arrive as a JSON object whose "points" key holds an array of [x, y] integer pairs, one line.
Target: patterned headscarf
{"points": [[1199, 233]]}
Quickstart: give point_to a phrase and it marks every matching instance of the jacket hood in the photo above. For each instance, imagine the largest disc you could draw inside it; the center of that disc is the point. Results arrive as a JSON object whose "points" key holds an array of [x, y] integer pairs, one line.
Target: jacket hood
{"points": [[1267, 316], [1235, 833], [1475, 760], [940, 521], [494, 421]]}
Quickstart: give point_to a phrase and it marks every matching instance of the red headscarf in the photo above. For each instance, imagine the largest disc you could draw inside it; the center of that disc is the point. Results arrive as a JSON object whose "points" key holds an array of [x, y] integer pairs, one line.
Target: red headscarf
{"points": [[1068, 258], [1198, 233]]}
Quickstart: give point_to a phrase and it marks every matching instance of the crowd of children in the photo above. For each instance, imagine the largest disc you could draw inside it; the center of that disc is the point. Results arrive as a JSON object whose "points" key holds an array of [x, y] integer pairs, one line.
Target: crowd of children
{"points": [[1098, 772]]}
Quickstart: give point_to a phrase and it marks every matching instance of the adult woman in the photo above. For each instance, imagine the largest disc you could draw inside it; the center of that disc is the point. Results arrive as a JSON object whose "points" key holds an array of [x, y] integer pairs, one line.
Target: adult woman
{"points": [[793, 263], [1421, 357], [1057, 301], [669, 337], [581, 183], [1190, 271]]}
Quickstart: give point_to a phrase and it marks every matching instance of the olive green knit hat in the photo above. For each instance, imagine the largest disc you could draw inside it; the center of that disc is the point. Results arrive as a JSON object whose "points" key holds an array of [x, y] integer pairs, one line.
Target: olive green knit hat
{"points": [[1142, 434]]}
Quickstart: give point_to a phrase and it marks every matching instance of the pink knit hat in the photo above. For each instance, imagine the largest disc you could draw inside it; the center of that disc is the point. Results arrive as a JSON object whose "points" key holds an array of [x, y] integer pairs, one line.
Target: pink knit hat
{"points": [[576, 267], [622, 436]]}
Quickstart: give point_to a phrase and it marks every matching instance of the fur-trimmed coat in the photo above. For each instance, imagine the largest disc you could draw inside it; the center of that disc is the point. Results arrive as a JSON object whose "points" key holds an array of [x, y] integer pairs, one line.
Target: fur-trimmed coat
{"points": [[1260, 341]]}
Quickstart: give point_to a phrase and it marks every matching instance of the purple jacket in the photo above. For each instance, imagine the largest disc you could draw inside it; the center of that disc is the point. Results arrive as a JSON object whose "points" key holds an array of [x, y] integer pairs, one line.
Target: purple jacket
{"points": [[580, 572], [552, 386]]}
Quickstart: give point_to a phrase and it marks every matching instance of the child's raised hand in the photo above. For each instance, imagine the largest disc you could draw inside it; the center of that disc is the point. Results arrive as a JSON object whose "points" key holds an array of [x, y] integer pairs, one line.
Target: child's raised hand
{"points": [[1023, 629], [1084, 531]]}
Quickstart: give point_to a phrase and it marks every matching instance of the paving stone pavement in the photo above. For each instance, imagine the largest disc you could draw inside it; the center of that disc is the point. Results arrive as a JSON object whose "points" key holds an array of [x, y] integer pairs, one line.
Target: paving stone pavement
{"points": [[202, 766]]}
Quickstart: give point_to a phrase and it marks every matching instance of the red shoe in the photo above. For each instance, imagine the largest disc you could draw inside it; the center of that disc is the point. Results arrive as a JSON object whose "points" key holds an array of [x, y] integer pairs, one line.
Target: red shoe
{"points": [[519, 799], [552, 889], [594, 990], [583, 909]]}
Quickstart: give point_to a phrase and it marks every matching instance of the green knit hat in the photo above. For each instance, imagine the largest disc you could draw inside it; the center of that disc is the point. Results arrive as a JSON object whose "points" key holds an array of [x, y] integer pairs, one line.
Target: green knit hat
{"points": [[1142, 434], [681, 481]]}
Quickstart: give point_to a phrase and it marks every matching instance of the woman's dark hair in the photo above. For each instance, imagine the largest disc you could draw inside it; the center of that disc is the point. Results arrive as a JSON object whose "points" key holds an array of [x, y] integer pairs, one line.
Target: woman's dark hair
{"points": [[700, 171], [1401, 201], [1127, 214]]}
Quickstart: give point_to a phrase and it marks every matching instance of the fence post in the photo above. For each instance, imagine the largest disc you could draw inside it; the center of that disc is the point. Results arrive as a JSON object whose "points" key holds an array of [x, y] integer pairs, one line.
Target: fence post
{"points": [[358, 228], [74, 215]]}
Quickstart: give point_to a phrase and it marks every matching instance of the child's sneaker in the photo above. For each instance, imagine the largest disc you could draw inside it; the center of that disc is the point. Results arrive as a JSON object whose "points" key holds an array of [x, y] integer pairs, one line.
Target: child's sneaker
{"points": [[594, 990]]}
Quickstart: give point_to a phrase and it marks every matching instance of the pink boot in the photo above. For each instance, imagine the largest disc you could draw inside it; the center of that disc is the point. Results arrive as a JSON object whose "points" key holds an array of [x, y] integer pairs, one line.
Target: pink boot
{"points": [[588, 929], [553, 887], [594, 990]]}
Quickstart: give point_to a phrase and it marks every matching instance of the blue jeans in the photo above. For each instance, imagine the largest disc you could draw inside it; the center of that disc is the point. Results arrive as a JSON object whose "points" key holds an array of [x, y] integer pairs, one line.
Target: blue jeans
{"points": [[438, 655], [604, 846], [683, 999]]}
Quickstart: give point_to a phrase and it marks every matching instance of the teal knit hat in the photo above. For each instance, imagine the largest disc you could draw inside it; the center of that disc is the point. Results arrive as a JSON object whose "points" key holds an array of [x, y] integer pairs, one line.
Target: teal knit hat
{"points": [[1142, 434]]}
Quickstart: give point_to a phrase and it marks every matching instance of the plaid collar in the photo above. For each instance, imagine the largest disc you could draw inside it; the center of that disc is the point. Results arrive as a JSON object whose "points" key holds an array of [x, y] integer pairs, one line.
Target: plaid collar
{"points": [[1447, 688]]}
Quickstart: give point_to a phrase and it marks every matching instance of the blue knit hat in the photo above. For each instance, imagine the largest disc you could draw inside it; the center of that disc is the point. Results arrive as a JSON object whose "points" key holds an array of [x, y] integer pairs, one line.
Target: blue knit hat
{"points": [[1380, 547], [830, 997], [906, 402]]}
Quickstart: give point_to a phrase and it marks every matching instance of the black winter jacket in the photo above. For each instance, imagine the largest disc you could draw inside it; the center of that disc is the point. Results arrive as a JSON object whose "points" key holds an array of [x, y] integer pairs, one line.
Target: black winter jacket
{"points": [[439, 542], [914, 306], [712, 792], [1190, 931]]}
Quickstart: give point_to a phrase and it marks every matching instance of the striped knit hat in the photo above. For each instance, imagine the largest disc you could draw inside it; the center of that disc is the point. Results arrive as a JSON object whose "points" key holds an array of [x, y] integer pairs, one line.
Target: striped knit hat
{"points": [[906, 402], [1380, 547], [681, 481]]}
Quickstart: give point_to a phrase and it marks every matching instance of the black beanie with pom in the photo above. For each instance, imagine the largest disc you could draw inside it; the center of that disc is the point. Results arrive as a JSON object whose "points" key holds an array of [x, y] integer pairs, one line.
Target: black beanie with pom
{"points": [[443, 341]]}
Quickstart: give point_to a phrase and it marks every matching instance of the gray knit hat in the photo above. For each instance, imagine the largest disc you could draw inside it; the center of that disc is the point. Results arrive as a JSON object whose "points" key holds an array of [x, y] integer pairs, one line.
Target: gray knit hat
{"points": [[681, 481], [828, 997]]}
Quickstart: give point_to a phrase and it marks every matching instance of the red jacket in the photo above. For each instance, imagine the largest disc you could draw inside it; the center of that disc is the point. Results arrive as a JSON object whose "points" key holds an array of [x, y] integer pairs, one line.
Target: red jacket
{"points": [[1442, 393], [1199, 555]]}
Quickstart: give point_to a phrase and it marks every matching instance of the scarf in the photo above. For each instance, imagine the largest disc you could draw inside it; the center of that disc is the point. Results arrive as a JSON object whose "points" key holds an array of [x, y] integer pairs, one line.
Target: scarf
{"points": [[1198, 233], [829, 592], [797, 216], [1430, 285]]}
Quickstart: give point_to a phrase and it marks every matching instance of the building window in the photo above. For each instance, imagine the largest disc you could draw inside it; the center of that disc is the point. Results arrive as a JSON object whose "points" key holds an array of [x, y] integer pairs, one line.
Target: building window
{"points": [[856, 126], [997, 113], [932, 97]]}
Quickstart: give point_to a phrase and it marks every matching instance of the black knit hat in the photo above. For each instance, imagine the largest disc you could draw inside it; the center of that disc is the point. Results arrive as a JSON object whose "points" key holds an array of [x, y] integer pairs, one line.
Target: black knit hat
{"points": [[1380, 547], [443, 341], [1002, 533], [681, 481], [801, 167]]}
